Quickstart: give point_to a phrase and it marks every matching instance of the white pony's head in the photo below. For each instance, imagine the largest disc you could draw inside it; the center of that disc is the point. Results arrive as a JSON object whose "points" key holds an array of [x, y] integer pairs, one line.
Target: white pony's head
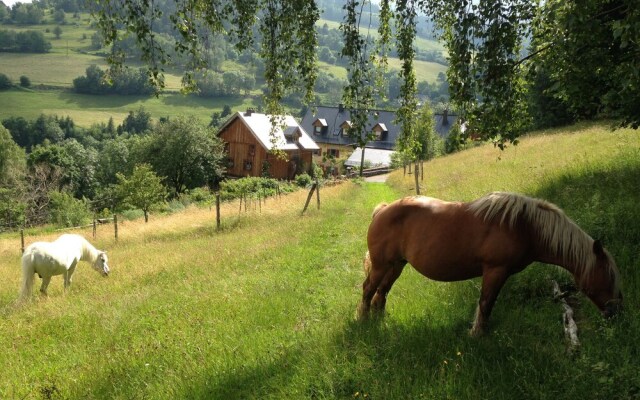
{"points": [[101, 264]]}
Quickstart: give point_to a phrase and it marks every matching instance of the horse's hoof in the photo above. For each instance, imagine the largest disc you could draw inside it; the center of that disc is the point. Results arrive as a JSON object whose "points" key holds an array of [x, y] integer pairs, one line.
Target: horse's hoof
{"points": [[361, 313], [476, 332]]}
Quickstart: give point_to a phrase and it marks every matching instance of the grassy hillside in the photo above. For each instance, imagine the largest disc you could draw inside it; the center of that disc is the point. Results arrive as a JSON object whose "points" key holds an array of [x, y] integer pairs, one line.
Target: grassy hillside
{"points": [[86, 110], [265, 308]]}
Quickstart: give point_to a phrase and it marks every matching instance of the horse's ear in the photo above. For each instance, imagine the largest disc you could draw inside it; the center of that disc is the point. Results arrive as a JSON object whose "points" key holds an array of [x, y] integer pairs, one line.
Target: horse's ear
{"points": [[597, 247]]}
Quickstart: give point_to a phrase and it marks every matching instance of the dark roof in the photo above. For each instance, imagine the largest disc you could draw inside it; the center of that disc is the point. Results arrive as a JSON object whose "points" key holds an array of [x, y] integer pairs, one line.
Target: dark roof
{"points": [[336, 116]]}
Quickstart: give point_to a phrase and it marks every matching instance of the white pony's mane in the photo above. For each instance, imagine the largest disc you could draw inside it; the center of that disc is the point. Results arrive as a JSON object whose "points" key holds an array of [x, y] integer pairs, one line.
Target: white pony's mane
{"points": [[89, 252], [557, 231]]}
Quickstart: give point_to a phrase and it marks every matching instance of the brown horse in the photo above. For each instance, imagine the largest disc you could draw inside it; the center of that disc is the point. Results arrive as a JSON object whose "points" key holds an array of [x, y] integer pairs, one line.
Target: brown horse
{"points": [[494, 237]]}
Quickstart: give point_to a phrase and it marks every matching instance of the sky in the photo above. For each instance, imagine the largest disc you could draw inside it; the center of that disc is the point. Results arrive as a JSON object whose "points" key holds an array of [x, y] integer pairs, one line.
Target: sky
{"points": [[10, 3]]}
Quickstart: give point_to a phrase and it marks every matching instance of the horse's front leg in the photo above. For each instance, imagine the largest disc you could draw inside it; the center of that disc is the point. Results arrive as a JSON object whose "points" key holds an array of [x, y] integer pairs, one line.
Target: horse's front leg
{"points": [[45, 282], [492, 281], [68, 276]]}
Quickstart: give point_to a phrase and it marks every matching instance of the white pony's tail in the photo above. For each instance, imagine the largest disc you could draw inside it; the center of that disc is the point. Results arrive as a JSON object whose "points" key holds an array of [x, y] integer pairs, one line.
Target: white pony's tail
{"points": [[28, 275]]}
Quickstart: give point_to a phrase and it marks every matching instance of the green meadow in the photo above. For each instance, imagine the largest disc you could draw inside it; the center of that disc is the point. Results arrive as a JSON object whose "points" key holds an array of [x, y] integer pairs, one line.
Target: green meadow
{"points": [[86, 110], [264, 308]]}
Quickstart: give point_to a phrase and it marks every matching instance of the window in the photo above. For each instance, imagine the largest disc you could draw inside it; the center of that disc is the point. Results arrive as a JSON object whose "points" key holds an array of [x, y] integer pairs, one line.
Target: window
{"points": [[319, 126], [380, 131], [344, 128], [335, 153], [248, 165]]}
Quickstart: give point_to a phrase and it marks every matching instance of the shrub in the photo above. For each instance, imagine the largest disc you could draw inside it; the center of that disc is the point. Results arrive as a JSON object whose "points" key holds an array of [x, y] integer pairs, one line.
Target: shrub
{"points": [[303, 180], [5, 82], [251, 186], [132, 214], [65, 210], [25, 81], [201, 196]]}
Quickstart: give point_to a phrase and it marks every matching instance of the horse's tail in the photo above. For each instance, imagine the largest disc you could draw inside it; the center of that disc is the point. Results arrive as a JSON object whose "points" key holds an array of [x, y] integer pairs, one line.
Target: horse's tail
{"points": [[367, 264], [377, 209], [28, 275]]}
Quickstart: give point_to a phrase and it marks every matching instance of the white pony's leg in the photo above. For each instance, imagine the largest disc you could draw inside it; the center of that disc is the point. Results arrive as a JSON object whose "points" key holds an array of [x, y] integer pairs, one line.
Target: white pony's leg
{"points": [[68, 276], [28, 275], [45, 283]]}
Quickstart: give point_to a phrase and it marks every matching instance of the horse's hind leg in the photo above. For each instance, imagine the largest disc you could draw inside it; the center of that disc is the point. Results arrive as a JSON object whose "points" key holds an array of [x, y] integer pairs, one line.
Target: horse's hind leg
{"points": [[380, 298], [378, 279], [45, 284]]}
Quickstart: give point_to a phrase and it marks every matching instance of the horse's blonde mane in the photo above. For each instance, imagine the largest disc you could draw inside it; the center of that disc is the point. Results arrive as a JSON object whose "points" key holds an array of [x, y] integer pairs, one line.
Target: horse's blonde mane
{"points": [[557, 231]]}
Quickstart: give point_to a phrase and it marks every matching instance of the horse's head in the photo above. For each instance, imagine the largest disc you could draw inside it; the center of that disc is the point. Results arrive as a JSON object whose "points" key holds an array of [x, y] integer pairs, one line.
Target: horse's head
{"points": [[602, 283], [101, 264]]}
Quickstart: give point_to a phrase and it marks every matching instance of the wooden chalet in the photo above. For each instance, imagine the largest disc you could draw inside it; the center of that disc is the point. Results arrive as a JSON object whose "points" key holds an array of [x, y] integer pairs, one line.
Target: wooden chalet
{"points": [[249, 138]]}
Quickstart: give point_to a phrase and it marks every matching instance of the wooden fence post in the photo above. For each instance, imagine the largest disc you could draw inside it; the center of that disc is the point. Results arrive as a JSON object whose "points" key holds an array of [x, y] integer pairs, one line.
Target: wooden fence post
{"points": [[318, 192], [94, 227], [217, 210], [115, 225], [313, 187], [21, 241]]}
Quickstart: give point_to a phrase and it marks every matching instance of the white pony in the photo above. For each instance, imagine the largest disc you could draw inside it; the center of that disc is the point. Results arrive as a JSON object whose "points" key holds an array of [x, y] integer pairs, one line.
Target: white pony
{"points": [[58, 258]]}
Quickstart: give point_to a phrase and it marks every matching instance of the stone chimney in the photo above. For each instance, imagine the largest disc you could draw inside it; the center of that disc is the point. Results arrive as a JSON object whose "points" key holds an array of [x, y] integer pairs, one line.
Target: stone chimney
{"points": [[340, 107], [248, 112]]}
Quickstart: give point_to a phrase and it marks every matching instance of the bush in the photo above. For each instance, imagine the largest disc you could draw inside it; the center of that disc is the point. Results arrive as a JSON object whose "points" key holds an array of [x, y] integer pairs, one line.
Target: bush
{"points": [[132, 214], [201, 196], [25, 81], [5, 82], [65, 210], [303, 180], [252, 186]]}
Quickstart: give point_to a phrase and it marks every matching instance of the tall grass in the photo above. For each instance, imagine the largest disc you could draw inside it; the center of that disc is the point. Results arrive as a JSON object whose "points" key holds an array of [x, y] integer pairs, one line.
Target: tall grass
{"points": [[265, 307]]}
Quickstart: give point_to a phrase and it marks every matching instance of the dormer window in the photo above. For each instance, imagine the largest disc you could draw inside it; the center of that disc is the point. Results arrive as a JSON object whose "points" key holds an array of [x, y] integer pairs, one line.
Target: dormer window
{"points": [[380, 131], [344, 128], [319, 126], [293, 135]]}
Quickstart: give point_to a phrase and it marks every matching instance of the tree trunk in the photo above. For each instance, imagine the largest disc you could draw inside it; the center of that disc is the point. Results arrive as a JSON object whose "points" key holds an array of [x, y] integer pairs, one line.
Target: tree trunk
{"points": [[146, 216], [362, 161], [417, 178]]}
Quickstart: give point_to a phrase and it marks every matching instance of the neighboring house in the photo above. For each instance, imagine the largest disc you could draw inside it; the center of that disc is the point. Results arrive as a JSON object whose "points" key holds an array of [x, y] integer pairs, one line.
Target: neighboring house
{"points": [[250, 136], [328, 126]]}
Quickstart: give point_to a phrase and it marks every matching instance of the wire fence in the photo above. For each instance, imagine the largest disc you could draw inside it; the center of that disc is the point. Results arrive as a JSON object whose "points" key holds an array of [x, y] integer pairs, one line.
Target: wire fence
{"points": [[248, 201]]}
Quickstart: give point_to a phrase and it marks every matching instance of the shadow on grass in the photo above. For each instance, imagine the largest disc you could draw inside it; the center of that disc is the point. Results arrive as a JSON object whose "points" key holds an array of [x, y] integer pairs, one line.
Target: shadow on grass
{"points": [[207, 102], [88, 101]]}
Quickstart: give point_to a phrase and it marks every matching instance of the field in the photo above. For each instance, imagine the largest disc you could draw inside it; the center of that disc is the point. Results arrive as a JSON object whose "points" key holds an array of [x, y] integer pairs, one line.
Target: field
{"points": [[265, 307], [86, 110]]}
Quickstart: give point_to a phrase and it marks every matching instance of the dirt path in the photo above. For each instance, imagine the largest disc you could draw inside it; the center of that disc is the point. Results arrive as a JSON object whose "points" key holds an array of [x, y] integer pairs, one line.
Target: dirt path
{"points": [[377, 178]]}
